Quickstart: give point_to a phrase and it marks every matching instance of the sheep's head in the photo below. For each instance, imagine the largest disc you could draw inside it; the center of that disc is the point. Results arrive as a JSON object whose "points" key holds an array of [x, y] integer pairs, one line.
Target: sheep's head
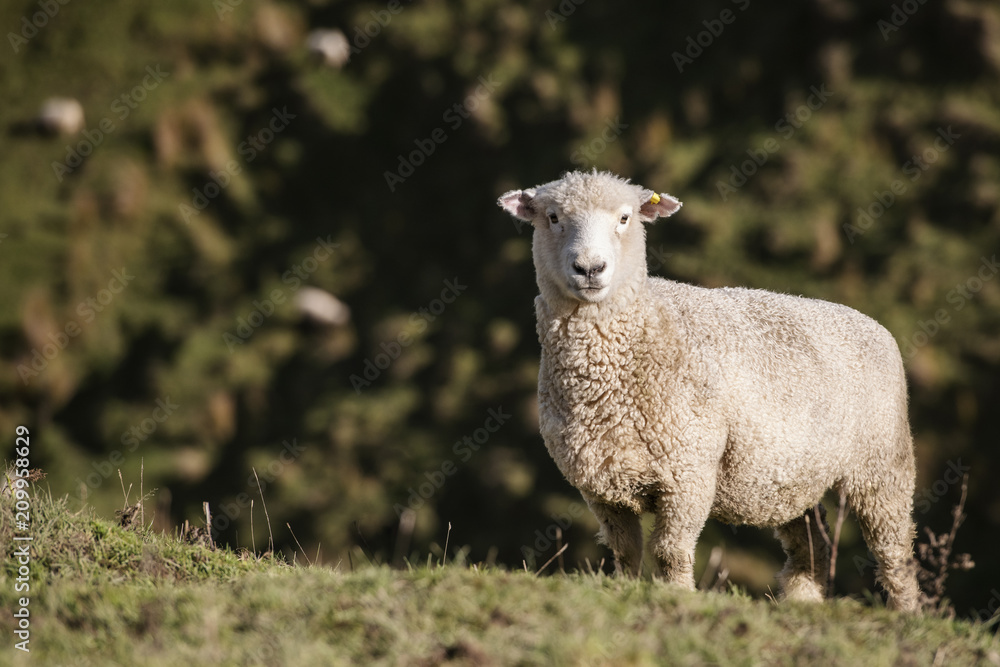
{"points": [[588, 238]]}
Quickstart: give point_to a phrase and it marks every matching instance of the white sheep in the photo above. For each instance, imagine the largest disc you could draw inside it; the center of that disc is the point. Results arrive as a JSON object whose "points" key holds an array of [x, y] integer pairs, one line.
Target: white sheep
{"points": [[329, 46], [61, 115], [737, 404]]}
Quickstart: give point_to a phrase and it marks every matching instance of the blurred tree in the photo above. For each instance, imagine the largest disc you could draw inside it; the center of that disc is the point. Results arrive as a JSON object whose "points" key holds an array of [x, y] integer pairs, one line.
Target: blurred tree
{"points": [[837, 149]]}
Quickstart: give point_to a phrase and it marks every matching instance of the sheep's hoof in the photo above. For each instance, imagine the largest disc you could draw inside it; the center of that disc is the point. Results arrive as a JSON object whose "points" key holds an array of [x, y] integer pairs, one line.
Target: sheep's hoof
{"points": [[802, 588]]}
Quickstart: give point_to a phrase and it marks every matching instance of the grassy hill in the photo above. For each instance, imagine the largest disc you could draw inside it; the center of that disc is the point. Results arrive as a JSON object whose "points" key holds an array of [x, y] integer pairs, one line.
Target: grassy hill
{"points": [[101, 594], [152, 262]]}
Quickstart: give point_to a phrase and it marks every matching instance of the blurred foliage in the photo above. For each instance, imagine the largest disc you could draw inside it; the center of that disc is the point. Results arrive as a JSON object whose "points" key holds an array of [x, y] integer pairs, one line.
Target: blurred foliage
{"points": [[245, 170]]}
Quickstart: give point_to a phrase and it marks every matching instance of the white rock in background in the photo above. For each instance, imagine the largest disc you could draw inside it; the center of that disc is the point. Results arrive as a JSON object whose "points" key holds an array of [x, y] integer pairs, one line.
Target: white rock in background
{"points": [[61, 115], [322, 307], [331, 46]]}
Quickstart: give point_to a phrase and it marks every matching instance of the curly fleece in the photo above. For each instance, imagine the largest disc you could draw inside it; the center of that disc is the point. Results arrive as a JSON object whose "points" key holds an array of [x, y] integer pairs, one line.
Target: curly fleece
{"points": [[737, 404]]}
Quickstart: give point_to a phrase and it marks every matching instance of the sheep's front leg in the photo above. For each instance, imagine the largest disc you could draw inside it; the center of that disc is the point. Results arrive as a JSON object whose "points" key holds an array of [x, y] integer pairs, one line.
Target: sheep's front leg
{"points": [[680, 519], [620, 530]]}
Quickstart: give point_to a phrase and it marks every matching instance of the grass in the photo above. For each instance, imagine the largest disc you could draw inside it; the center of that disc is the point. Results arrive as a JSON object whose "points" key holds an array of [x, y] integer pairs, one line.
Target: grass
{"points": [[103, 594]]}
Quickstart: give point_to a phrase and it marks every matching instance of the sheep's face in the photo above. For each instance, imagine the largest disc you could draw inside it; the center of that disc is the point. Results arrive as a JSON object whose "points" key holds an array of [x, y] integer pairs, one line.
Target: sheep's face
{"points": [[580, 251], [589, 237]]}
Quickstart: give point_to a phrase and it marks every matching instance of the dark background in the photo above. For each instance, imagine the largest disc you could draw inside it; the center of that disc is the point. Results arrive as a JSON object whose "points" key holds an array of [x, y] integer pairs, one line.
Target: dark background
{"points": [[676, 96]]}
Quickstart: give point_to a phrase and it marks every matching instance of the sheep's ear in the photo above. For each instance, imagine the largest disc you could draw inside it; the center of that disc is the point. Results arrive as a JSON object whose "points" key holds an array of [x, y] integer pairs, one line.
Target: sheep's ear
{"points": [[659, 206], [519, 203]]}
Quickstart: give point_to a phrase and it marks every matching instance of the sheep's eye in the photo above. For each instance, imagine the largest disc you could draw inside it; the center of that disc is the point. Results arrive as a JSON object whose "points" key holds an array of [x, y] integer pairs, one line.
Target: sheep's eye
{"points": [[624, 219], [553, 218]]}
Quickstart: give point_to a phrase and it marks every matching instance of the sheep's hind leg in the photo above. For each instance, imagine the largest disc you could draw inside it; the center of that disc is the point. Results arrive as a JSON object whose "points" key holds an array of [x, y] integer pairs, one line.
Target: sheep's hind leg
{"points": [[884, 514], [622, 532], [807, 569]]}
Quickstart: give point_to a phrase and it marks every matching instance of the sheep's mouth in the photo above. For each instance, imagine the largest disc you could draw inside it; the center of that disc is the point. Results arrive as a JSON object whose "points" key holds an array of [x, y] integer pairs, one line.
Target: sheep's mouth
{"points": [[588, 292]]}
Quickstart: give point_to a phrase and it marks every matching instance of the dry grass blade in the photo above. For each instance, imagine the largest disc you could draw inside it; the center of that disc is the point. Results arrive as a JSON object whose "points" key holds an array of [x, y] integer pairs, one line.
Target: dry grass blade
{"points": [[711, 572], [299, 544], [721, 580], [270, 536], [562, 564], [367, 550], [809, 537], [841, 514], [124, 492], [447, 537], [549, 561], [819, 523], [208, 524]]}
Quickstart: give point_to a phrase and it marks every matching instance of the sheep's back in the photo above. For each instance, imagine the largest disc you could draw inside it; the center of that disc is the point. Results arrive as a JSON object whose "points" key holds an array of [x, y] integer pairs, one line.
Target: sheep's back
{"points": [[807, 391]]}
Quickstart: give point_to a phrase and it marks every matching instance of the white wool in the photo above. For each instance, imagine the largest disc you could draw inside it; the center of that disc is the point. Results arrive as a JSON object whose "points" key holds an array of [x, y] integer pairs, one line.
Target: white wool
{"points": [[737, 404]]}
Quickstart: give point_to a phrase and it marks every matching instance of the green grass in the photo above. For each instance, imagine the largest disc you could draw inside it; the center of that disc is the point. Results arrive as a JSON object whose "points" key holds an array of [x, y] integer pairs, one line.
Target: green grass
{"points": [[101, 594]]}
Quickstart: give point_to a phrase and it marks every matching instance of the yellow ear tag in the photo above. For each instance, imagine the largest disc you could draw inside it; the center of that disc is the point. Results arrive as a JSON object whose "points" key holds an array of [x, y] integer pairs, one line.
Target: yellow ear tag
{"points": [[655, 199]]}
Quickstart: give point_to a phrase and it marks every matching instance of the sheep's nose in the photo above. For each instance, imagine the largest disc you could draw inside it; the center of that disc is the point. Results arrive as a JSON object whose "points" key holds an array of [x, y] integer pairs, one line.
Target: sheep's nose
{"points": [[589, 271]]}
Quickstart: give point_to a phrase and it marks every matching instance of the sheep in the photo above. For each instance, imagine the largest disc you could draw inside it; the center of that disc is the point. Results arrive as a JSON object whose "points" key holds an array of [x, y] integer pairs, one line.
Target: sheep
{"points": [[322, 308], [329, 47], [60, 115], [737, 404]]}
